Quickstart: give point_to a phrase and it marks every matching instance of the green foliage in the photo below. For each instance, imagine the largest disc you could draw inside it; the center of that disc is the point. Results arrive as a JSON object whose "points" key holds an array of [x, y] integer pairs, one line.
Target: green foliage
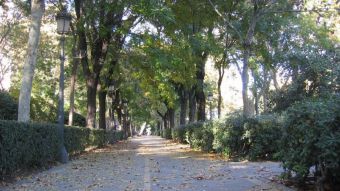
{"points": [[166, 133], [201, 137], [27, 145], [263, 134], [178, 134], [229, 138], [254, 138], [76, 139], [114, 136], [9, 107], [24, 145], [311, 137], [78, 119]]}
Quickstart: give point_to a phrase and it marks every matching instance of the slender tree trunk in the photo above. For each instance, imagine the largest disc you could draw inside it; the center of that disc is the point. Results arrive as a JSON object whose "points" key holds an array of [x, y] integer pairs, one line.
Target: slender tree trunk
{"points": [[276, 84], [266, 80], [219, 83], [75, 63], [192, 105], [112, 115], [184, 103], [37, 12], [102, 109]]}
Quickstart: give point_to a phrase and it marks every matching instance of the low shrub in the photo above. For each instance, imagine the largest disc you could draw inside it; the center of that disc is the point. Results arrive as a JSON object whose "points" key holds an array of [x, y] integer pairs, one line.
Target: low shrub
{"points": [[78, 119], [26, 145], [166, 133], [311, 138], [200, 136], [97, 138], [114, 136], [9, 107], [76, 139], [178, 134], [263, 134], [229, 136]]}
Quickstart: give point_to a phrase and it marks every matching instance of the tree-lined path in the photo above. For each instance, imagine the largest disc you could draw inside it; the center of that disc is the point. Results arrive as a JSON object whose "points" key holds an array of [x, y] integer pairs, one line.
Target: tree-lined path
{"points": [[152, 163]]}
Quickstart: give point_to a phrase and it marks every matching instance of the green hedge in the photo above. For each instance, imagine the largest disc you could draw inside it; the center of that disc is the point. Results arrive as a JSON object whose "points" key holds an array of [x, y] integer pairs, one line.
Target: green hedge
{"points": [[253, 138], [166, 133], [25, 145], [178, 134], [9, 106], [311, 138]]}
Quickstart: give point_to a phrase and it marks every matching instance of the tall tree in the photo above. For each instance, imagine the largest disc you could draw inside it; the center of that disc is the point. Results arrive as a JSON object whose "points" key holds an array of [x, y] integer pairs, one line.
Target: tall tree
{"points": [[37, 12]]}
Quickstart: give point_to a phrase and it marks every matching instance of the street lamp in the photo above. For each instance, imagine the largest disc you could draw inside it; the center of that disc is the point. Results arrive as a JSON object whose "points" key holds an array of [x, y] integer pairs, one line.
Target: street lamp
{"points": [[210, 99], [63, 25]]}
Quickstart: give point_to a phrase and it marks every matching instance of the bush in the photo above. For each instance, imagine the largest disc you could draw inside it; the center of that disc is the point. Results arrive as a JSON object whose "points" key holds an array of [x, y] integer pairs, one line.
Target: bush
{"points": [[311, 138], [263, 134], [25, 145], [166, 133], [76, 139], [114, 136], [9, 107], [178, 134], [200, 136], [78, 120], [229, 135]]}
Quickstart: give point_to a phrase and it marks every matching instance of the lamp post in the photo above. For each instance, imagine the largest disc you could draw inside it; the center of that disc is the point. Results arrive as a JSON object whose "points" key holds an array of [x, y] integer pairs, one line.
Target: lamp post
{"points": [[63, 25], [210, 99]]}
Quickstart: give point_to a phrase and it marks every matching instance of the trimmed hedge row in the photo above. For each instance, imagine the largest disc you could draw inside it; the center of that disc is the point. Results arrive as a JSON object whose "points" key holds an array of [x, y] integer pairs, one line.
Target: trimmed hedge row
{"points": [[25, 145], [253, 138]]}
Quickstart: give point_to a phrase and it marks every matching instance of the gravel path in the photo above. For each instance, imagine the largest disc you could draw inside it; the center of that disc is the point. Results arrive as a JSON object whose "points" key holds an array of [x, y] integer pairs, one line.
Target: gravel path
{"points": [[151, 163]]}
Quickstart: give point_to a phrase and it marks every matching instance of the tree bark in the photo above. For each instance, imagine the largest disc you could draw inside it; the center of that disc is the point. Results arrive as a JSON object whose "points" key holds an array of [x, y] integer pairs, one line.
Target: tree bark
{"points": [[75, 64], [200, 97], [171, 117], [248, 41], [219, 83], [92, 84], [37, 12], [266, 80], [192, 105], [102, 108], [183, 103]]}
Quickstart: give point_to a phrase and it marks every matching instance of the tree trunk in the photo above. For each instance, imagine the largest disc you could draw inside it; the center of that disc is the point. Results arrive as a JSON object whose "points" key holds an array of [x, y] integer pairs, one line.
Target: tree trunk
{"points": [[247, 111], [92, 84], [166, 120], [171, 118], [266, 80], [183, 102], [192, 106], [219, 101], [200, 97], [75, 64], [102, 109], [248, 41], [37, 12]]}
